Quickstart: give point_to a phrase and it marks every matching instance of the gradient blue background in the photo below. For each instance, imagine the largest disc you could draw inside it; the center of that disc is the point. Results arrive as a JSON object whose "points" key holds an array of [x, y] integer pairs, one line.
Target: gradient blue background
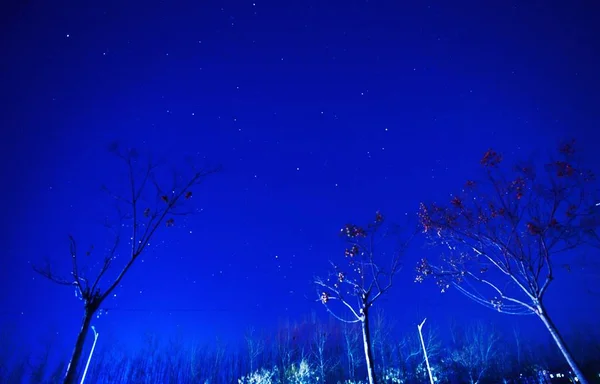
{"points": [[320, 113]]}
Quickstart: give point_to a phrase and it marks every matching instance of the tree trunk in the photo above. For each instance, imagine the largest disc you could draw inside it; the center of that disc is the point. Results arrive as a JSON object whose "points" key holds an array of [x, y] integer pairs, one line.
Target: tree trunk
{"points": [[561, 344], [71, 375], [367, 346]]}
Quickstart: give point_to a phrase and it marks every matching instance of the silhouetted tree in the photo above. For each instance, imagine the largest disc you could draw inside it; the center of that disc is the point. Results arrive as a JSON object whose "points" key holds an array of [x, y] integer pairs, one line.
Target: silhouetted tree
{"points": [[365, 281], [504, 235], [145, 221]]}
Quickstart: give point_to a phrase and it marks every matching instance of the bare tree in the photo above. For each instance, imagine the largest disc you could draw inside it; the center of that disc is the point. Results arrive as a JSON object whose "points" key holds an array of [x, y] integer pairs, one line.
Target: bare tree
{"points": [[514, 354], [217, 362], [195, 362], [255, 348], [523, 352], [351, 343], [411, 352], [365, 282], [319, 343], [286, 348], [382, 334], [175, 356], [145, 221], [476, 350], [504, 236]]}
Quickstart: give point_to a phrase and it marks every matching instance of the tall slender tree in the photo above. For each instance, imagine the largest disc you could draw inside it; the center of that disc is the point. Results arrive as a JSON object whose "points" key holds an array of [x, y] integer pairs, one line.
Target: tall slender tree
{"points": [[363, 280], [148, 207], [506, 235]]}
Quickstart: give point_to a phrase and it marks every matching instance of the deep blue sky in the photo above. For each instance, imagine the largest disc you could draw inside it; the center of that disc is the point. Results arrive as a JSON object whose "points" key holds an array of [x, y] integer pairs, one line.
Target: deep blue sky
{"points": [[320, 113]]}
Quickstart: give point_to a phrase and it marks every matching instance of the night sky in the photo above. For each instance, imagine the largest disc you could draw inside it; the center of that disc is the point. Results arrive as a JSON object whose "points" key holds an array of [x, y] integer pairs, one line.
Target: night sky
{"points": [[320, 113]]}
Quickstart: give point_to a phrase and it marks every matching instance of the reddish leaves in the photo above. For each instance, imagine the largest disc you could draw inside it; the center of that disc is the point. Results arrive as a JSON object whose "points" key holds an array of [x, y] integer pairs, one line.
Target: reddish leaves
{"points": [[563, 168], [353, 231], [571, 211], [491, 159], [495, 212], [506, 219], [456, 202], [567, 148], [518, 187], [534, 229]]}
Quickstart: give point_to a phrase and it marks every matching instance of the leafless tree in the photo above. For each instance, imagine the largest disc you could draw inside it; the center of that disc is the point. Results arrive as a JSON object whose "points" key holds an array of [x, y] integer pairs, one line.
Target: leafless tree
{"points": [[411, 352], [319, 343], [518, 346], [145, 221], [195, 362], [476, 350], [382, 334], [358, 288], [504, 236], [286, 348], [175, 357], [149, 365], [255, 348], [351, 347], [220, 351], [234, 367]]}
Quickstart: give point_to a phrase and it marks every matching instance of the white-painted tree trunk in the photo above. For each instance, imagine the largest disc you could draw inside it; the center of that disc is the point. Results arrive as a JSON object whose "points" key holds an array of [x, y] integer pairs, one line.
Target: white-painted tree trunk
{"points": [[560, 343], [367, 346]]}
